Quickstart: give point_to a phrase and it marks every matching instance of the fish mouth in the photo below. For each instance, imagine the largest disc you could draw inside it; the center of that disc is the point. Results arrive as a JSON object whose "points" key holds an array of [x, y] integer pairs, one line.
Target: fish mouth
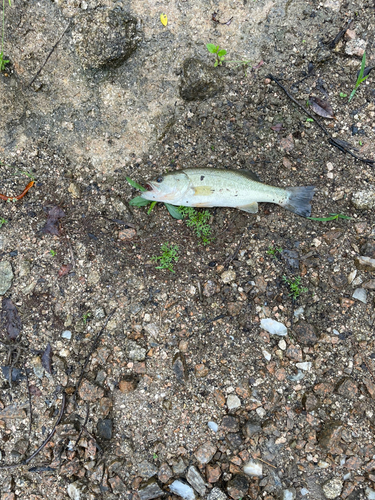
{"points": [[149, 187]]}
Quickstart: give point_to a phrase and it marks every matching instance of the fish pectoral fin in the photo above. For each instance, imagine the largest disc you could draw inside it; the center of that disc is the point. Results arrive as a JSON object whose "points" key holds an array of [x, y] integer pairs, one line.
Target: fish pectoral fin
{"points": [[251, 208]]}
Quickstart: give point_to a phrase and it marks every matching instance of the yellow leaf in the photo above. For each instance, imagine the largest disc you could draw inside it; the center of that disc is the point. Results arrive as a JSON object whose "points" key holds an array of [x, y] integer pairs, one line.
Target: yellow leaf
{"points": [[163, 19]]}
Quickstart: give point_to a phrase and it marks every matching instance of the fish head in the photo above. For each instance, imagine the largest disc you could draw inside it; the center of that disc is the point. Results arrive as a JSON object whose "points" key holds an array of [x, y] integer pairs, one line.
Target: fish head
{"points": [[167, 188]]}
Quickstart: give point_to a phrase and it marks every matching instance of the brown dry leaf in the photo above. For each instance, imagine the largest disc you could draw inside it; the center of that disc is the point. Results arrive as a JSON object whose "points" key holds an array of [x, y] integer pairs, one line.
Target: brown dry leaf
{"points": [[65, 269], [277, 127], [11, 319], [321, 108], [52, 224]]}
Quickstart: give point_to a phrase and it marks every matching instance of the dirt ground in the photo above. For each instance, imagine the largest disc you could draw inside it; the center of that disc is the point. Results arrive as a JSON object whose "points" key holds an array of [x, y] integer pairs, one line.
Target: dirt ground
{"points": [[182, 385]]}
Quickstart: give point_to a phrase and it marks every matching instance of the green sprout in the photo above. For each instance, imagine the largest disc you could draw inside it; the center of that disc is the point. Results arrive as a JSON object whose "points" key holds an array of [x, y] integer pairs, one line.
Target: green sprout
{"points": [[155, 456], [294, 287], [52, 252], [85, 317], [168, 257], [360, 78], [309, 120], [220, 56], [331, 217], [2, 221], [343, 95], [3, 62], [198, 221], [138, 201], [273, 251]]}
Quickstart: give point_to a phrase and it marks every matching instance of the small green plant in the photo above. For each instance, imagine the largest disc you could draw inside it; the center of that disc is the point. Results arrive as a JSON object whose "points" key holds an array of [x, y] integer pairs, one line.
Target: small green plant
{"points": [[168, 257], [212, 147], [155, 456], [2, 221], [294, 287], [343, 95], [220, 56], [198, 221], [85, 317], [360, 78], [52, 252], [3, 62], [220, 53], [309, 120], [360, 143], [331, 217], [273, 251]]}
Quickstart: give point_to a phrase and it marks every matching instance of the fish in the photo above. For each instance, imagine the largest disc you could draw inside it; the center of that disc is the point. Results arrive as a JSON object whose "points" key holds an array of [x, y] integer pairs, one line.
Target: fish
{"points": [[218, 187]]}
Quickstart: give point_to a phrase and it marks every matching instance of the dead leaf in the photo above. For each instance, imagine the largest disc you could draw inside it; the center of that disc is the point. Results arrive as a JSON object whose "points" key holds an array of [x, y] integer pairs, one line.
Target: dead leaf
{"points": [[47, 359], [321, 108], [11, 319], [52, 224], [65, 269], [277, 127], [287, 143], [164, 19]]}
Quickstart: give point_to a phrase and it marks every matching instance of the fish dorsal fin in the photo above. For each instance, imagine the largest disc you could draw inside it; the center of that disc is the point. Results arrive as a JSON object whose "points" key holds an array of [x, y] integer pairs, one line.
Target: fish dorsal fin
{"points": [[251, 175]]}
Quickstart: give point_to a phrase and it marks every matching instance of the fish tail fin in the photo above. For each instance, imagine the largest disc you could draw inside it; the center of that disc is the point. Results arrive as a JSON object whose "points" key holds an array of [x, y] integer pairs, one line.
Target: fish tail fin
{"points": [[299, 200]]}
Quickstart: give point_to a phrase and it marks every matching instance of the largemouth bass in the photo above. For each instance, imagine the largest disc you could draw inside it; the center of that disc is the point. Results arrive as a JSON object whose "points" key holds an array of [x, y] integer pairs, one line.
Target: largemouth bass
{"points": [[216, 187]]}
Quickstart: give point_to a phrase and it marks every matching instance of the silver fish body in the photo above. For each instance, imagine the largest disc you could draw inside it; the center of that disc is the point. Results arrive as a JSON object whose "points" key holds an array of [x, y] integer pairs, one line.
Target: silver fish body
{"points": [[215, 187]]}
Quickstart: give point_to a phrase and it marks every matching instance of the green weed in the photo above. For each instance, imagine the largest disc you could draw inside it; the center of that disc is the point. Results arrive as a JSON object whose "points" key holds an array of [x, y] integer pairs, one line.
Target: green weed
{"points": [[155, 456], [168, 257], [331, 217], [273, 251], [198, 221], [52, 252], [294, 287], [85, 317], [360, 78], [220, 57], [343, 95], [309, 120], [3, 62], [2, 221]]}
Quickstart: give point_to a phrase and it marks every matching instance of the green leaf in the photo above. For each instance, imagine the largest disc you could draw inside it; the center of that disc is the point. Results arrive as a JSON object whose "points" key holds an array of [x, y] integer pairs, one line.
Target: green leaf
{"points": [[135, 184], [175, 213], [153, 203], [216, 63], [331, 217], [138, 201], [363, 64], [211, 48], [340, 216], [221, 52]]}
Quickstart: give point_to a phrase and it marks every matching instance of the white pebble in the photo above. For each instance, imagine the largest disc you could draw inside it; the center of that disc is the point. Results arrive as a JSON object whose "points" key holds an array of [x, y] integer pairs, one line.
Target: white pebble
{"points": [[233, 402], [213, 426], [370, 493], [183, 490], [253, 468], [306, 365], [299, 312], [261, 412], [266, 354], [304, 492], [360, 294], [288, 495], [282, 344], [274, 327], [67, 334]]}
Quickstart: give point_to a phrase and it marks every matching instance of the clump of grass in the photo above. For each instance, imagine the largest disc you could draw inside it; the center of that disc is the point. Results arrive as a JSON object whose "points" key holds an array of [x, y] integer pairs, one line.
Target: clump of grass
{"points": [[295, 289], [220, 56], [362, 76], [274, 251], [198, 221], [2, 221], [168, 257]]}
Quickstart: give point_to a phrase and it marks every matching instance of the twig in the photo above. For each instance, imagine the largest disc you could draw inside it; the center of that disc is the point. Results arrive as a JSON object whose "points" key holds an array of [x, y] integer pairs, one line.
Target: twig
{"points": [[49, 55], [267, 463], [338, 37], [229, 259], [48, 438], [83, 425], [93, 347], [339, 144]]}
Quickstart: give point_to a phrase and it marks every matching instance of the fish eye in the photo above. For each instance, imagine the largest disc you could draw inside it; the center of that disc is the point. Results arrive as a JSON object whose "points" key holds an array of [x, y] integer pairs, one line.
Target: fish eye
{"points": [[159, 179]]}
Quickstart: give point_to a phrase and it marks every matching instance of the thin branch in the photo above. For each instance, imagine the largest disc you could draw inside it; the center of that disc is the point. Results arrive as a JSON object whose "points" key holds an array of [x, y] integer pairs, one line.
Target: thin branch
{"points": [[29, 394]]}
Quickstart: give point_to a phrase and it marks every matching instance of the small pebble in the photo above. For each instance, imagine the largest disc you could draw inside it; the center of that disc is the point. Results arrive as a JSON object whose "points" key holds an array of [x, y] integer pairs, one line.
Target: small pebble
{"points": [[370, 493], [333, 487], [282, 344], [213, 426], [67, 334], [304, 492], [183, 490], [266, 354], [233, 402], [306, 365], [360, 294], [274, 327], [253, 468], [228, 276]]}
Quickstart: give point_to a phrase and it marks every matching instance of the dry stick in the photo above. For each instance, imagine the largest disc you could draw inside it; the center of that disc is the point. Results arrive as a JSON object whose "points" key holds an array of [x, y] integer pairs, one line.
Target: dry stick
{"points": [[48, 438], [334, 142], [93, 347], [49, 55], [29, 394]]}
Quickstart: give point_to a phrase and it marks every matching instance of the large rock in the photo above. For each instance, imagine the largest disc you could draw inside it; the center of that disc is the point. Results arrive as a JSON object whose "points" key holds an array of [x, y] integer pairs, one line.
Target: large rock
{"points": [[104, 37], [199, 81]]}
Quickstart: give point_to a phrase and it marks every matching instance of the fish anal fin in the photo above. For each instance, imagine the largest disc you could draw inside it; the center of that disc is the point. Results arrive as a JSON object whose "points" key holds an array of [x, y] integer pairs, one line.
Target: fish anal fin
{"points": [[251, 175], [251, 208]]}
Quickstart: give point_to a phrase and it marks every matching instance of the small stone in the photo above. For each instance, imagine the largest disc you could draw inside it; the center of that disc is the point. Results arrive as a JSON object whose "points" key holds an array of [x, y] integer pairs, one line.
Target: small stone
{"points": [[165, 473], [228, 276], [234, 308], [182, 489], [294, 352], [364, 200], [179, 367], [230, 424], [251, 428], [365, 263], [213, 473], [152, 329], [67, 334], [117, 485], [74, 190], [233, 402], [282, 344], [147, 470], [75, 491], [210, 288], [253, 468], [216, 494], [289, 494], [6, 276], [306, 366], [330, 436], [305, 333], [273, 327], [355, 47], [90, 392], [353, 463], [333, 487], [127, 386], [179, 467], [205, 453], [287, 143], [127, 234], [196, 480], [213, 426], [348, 388], [234, 440], [266, 354], [349, 35], [360, 294], [150, 490], [38, 369], [238, 486], [137, 354], [201, 371], [369, 285], [105, 428]]}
